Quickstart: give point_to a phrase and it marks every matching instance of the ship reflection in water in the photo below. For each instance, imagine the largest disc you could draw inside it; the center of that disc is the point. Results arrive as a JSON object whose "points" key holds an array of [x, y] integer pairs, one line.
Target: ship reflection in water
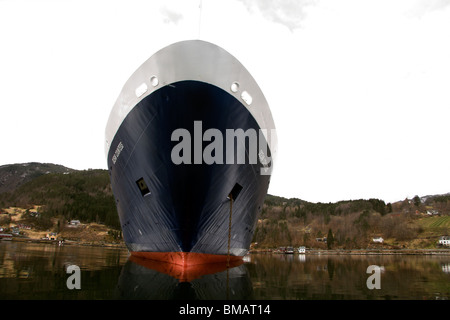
{"points": [[38, 271], [148, 279]]}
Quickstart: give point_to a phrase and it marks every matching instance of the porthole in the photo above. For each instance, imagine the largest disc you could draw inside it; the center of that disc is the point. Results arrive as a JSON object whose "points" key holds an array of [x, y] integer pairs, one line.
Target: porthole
{"points": [[234, 87], [154, 81]]}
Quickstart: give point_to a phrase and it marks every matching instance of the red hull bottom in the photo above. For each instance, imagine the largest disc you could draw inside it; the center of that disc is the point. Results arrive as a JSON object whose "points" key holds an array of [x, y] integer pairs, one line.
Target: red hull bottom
{"points": [[185, 258], [185, 266]]}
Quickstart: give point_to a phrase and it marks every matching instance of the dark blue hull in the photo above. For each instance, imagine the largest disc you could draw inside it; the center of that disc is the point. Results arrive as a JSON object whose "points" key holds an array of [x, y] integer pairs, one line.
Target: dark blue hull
{"points": [[169, 207]]}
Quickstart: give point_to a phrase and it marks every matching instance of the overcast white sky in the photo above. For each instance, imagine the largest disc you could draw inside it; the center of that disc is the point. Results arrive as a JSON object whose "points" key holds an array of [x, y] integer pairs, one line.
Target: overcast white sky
{"points": [[359, 89]]}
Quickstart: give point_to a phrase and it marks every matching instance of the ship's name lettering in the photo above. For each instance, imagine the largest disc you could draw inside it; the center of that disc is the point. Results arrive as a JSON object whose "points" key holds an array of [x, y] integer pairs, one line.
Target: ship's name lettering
{"points": [[117, 152]]}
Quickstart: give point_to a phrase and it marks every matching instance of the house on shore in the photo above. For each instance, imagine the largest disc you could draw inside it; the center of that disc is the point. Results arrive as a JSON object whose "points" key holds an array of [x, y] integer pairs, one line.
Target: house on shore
{"points": [[51, 236], [74, 223], [444, 241], [378, 240]]}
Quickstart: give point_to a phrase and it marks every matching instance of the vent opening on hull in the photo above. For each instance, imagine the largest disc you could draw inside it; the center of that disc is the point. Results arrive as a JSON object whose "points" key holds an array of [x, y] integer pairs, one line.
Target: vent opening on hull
{"points": [[247, 97], [143, 187], [141, 90], [235, 192]]}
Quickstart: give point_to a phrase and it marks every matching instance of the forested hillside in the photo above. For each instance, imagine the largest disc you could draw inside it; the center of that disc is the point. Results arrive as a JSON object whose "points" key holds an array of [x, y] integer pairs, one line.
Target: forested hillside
{"points": [[83, 195], [14, 175], [417, 222], [68, 194]]}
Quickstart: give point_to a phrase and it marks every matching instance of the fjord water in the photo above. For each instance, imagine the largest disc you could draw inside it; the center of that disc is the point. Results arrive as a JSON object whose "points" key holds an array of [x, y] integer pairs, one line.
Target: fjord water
{"points": [[39, 271]]}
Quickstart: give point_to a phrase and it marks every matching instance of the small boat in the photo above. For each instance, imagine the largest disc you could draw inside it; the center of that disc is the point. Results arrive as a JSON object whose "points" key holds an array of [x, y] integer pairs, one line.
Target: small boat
{"points": [[5, 236], [289, 250]]}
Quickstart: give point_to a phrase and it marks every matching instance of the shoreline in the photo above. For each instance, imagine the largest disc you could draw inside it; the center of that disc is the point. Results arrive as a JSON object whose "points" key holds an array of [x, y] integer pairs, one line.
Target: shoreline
{"points": [[404, 251], [362, 252], [68, 242]]}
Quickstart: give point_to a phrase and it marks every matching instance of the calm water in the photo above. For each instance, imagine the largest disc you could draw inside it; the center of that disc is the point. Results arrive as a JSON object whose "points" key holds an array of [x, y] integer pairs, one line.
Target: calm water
{"points": [[38, 271]]}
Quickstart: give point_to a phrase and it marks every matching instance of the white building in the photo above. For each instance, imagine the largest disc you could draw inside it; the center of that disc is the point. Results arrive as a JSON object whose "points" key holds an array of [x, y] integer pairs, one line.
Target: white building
{"points": [[74, 223], [378, 240], [444, 240]]}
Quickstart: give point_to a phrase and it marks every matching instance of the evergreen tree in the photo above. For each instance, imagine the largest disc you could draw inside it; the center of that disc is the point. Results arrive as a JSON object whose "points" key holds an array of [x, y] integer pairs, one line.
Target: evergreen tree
{"points": [[416, 201], [389, 208], [330, 239]]}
